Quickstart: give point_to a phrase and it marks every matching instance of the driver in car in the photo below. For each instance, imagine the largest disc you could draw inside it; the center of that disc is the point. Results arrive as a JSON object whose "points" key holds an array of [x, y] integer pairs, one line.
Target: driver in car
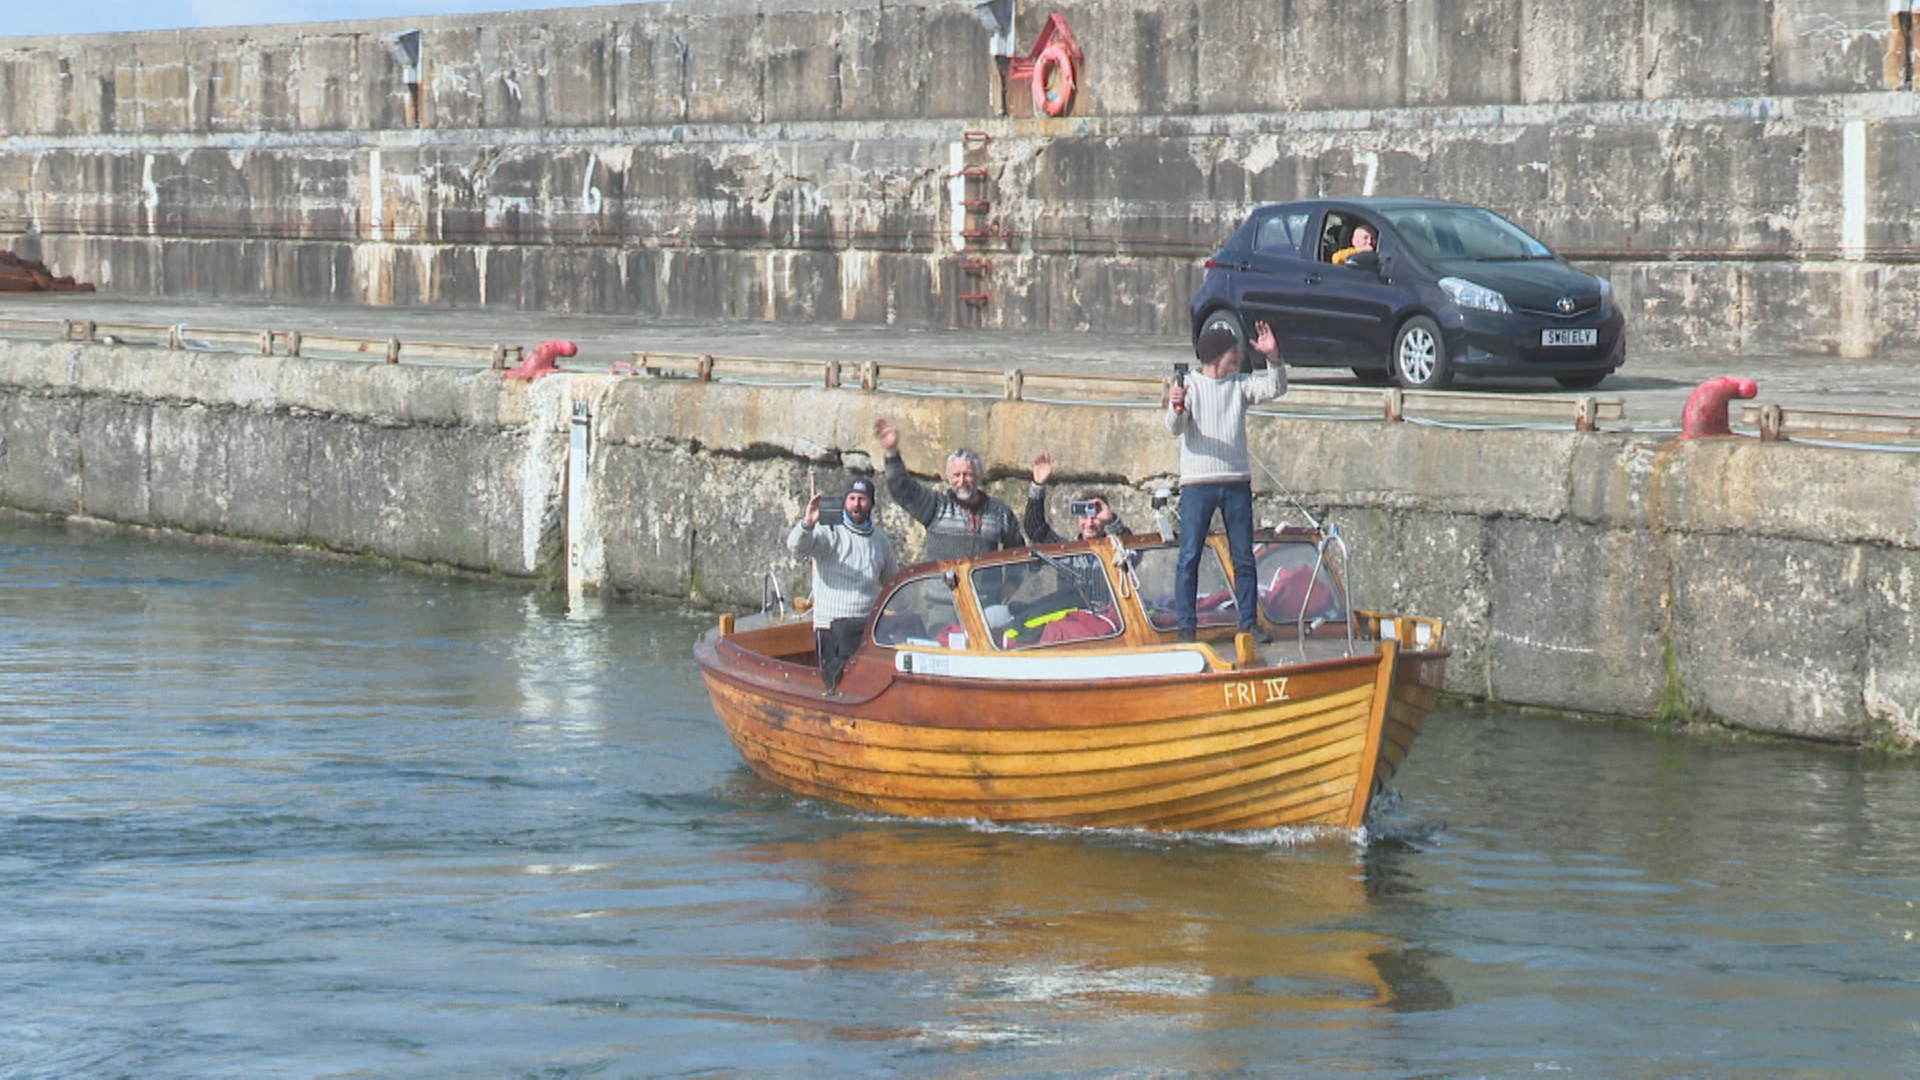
{"points": [[1362, 240]]}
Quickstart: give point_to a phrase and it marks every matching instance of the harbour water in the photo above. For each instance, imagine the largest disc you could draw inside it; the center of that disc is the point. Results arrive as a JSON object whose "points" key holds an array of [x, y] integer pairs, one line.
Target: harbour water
{"points": [[267, 816]]}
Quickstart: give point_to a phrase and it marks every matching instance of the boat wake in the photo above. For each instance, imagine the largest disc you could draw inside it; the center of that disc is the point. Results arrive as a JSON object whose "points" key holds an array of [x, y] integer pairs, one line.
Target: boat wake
{"points": [[1389, 825]]}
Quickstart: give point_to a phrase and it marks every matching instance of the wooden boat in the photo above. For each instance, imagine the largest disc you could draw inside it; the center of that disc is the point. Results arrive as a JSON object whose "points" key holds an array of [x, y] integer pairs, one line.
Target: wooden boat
{"points": [[1047, 685]]}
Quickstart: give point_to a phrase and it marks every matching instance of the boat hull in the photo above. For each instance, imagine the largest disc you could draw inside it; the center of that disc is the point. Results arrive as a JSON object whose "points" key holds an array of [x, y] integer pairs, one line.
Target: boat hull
{"points": [[1416, 689], [1234, 750]]}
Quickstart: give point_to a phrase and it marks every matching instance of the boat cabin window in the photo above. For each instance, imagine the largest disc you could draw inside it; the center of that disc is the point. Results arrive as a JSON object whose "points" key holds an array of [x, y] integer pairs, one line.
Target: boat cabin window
{"points": [[920, 612], [1290, 590], [1155, 573], [1047, 600]]}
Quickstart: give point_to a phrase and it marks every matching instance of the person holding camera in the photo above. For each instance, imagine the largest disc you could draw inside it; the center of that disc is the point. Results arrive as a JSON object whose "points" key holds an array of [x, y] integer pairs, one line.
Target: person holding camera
{"points": [[962, 520], [1091, 513], [1207, 411], [852, 559]]}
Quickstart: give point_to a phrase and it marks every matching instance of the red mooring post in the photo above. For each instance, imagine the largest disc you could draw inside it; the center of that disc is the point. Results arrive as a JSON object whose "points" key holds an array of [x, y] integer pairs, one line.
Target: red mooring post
{"points": [[1706, 412], [543, 360]]}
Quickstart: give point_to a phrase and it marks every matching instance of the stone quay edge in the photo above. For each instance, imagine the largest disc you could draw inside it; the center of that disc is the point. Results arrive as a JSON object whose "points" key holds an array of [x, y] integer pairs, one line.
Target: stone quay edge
{"points": [[1774, 587]]}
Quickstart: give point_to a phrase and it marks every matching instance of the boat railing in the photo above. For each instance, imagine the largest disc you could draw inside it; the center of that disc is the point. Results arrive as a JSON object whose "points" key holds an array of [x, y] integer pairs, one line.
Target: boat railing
{"points": [[1328, 539], [771, 598]]}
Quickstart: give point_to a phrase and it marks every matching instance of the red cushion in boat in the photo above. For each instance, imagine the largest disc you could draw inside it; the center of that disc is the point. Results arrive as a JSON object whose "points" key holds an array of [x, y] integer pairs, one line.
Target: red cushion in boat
{"points": [[1289, 587], [1075, 626]]}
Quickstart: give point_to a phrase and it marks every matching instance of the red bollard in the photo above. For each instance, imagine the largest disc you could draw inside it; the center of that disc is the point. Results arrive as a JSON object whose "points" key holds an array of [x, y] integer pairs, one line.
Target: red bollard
{"points": [[1706, 411], [543, 360]]}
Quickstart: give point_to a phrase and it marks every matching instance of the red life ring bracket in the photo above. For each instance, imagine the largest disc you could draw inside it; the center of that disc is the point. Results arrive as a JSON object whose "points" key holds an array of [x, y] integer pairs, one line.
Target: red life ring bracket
{"points": [[1055, 62]]}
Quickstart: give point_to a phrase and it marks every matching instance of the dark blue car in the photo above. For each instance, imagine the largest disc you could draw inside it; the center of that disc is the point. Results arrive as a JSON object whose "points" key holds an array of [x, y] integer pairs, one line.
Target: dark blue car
{"points": [[1448, 290]]}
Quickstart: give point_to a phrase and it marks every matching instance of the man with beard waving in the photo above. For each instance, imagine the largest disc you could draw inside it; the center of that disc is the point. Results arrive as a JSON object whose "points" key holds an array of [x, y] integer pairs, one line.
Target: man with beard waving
{"points": [[851, 560], [962, 520]]}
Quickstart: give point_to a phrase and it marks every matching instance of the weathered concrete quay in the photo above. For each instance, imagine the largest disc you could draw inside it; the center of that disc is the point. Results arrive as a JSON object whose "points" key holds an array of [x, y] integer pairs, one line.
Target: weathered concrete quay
{"points": [[1772, 585], [1745, 173]]}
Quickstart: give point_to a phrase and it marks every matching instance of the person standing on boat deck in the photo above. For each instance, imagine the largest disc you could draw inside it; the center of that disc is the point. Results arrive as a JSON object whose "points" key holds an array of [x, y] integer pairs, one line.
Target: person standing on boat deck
{"points": [[962, 520], [1092, 526], [1207, 411], [851, 561]]}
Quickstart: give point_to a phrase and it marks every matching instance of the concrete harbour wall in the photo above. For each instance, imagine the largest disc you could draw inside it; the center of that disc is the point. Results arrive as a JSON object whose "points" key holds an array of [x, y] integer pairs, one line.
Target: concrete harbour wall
{"points": [[1773, 586], [1748, 174]]}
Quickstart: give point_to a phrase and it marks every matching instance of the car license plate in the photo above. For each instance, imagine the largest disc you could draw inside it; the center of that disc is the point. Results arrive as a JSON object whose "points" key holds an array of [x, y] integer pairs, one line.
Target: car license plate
{"points": [[1552, 338]]}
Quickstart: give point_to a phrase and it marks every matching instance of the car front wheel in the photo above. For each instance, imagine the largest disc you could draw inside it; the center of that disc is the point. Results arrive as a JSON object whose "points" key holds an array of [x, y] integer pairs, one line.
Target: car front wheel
{"points": [[1420, 356]]}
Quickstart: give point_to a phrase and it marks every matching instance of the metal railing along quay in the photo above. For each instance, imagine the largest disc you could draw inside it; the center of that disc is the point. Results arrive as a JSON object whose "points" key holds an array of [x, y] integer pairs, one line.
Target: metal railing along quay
{"points": [[1469, 409], [181, 337], [1583, 413]]}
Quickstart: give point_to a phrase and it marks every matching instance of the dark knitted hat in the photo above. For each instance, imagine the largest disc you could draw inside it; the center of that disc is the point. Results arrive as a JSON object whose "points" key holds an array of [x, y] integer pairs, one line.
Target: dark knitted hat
{"points": [[1215, 341], [861, 485]]}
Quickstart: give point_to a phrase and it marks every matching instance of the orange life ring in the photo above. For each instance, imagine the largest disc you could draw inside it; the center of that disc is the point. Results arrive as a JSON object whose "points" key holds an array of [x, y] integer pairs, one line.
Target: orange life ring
{"points": [[1054, 55]]}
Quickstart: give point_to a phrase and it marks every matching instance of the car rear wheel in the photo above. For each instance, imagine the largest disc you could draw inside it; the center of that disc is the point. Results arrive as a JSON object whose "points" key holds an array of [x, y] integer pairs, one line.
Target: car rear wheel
{"points": [[1579, 382], [1420, 356], [1230, 322]]}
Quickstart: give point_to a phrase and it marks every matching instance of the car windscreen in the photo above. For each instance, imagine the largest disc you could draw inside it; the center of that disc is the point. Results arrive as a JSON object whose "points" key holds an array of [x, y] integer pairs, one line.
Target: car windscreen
{"points": [[1462, 234]]}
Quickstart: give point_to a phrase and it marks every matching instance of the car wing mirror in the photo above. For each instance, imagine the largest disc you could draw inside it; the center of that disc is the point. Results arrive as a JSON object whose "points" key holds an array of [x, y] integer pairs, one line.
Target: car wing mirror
{"points": [[1363, 260]]}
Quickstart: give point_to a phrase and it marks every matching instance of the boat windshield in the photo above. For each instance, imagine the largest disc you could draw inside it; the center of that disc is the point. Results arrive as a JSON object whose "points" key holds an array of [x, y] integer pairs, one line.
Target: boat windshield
{"points": [[1047, 600], [920, 612], [1463, 234], [1155, 572], [1285, 570]]}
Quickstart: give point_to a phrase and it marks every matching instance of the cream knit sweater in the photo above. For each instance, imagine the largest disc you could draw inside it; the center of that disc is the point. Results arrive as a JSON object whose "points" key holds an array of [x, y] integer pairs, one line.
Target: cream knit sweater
{"points": [[1213, 430], [848, 569]]}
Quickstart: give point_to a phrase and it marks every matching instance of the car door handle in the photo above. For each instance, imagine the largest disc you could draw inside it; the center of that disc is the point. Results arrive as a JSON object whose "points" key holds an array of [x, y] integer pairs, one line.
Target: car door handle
{"points": [[1313, 279]]}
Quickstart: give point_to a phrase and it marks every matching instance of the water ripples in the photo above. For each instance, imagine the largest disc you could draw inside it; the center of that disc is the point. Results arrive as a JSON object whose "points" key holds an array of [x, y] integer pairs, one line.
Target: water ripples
{"points": [[272, 817]]}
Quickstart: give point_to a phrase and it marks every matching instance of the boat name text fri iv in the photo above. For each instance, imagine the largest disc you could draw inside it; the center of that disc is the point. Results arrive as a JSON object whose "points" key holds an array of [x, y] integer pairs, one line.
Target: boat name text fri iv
{"points": [[1239, 695]]}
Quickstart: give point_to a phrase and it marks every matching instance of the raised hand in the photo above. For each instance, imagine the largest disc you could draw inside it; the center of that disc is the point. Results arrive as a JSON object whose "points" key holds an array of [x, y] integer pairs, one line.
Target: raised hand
{"points": [[1042, 467], [813, 502], [1263, 341], [888, 435]]}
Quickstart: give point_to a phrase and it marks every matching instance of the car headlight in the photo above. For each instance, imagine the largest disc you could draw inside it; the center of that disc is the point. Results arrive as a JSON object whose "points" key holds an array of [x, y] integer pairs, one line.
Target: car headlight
{"points": [[1468, 295], [1606, 294]]}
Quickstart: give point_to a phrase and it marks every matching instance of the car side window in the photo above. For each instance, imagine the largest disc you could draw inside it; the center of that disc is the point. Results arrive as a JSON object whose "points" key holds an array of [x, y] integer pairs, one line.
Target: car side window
{"points": [[1280, 234], [1330, 233]]}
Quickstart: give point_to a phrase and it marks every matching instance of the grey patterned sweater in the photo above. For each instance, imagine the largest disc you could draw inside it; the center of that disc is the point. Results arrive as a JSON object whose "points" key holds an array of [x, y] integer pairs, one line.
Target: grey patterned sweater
{"points": [[953, 530]]}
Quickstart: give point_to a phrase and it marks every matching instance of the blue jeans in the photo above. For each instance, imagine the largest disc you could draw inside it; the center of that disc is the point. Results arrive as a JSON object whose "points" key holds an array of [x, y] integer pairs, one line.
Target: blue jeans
{"points": [[1197, 504]]}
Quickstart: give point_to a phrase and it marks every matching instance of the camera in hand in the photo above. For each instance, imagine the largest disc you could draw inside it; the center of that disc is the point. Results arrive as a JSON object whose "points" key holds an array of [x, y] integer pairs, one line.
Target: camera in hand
{"points": [[1180, 379], [1083, 507]]}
